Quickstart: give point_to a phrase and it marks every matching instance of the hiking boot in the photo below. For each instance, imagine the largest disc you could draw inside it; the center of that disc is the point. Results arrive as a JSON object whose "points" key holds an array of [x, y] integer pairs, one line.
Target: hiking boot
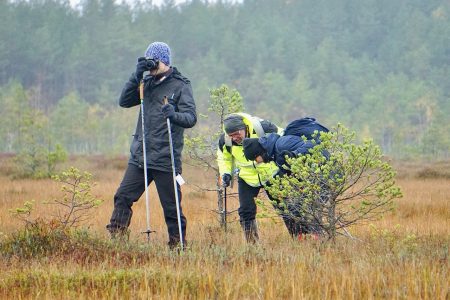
{"points": [[119, 233], [174, 243]]}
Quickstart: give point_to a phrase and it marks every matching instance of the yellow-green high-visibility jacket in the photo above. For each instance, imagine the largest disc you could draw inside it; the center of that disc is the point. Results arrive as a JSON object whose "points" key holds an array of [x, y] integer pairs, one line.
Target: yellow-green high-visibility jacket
{"points": [[229, 157]]}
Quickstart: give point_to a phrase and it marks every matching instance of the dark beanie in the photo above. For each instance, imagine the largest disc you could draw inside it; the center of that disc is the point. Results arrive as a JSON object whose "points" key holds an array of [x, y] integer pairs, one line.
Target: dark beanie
{"points": [[233, 123], [252, 148]]}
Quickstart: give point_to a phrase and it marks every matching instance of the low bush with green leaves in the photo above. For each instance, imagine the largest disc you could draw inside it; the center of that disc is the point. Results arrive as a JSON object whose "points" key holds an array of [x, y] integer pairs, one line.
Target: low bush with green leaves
{"points": [[338, 184]]}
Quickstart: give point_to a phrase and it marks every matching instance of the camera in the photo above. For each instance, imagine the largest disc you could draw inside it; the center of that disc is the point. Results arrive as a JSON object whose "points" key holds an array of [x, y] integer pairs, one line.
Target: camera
{"points": [[152, 63]]}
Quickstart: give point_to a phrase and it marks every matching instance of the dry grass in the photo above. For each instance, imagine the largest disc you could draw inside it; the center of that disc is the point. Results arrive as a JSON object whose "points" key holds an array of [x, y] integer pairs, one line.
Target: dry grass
{"points": [[402, 256]]}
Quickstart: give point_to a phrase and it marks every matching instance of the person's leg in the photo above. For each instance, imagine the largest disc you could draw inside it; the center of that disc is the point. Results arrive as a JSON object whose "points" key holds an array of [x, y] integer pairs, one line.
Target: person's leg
{"points": [[316, 210], [291, 217], [129, 191], [311, 218], [164, 185], [247, 210]]}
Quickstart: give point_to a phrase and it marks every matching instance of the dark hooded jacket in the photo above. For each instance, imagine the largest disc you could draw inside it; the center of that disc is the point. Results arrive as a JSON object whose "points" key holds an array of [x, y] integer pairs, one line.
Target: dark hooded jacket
{"points": [[178, 90], [275, 144]]}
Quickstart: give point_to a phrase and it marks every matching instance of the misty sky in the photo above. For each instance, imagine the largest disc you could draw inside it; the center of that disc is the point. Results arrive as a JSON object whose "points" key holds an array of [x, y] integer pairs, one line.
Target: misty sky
{"points": [[155, 2], [74, 3]]}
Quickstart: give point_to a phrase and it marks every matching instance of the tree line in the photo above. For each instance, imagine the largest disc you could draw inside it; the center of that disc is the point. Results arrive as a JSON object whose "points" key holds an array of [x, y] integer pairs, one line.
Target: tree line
{"points": [[379, 67]]}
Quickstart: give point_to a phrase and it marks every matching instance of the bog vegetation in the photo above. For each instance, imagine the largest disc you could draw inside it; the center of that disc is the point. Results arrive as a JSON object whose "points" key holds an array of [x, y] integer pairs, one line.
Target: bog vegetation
{"points": [[404, 255]]}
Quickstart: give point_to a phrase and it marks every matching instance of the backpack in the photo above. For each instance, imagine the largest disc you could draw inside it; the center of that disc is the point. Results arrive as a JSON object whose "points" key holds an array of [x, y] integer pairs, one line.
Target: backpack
{"points": [[304, 127]]}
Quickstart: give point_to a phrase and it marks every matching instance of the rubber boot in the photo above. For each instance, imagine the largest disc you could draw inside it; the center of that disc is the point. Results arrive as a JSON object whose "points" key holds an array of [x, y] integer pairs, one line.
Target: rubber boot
{"points": [[250, 231]]}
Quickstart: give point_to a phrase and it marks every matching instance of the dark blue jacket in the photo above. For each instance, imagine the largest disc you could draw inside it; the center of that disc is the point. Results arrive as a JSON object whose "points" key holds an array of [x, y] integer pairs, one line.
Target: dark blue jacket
{"points": [[275, 144]]}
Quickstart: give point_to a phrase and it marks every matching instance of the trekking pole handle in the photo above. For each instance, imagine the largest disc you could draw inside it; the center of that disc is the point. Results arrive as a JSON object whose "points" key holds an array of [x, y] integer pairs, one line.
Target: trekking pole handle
{"points": [[141, 90]]}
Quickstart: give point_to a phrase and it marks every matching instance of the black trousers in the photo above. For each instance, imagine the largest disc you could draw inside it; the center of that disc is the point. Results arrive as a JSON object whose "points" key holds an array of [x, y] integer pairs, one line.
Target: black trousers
{"points": [[131, 189], [247, 208]]}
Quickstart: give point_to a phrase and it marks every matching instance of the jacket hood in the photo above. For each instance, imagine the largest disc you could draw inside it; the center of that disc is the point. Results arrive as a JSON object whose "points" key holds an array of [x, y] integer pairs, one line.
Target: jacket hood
{"points": [[178, 75], [268, 143]]}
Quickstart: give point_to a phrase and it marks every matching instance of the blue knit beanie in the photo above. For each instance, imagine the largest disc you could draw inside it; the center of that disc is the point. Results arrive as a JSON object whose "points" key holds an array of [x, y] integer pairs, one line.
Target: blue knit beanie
{"points": [[159, 51]]}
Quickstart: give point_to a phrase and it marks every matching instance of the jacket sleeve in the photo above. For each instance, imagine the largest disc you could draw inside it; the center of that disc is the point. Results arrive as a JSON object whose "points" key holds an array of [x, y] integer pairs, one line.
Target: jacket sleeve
{"points": [[130, 93], [303, 147], [186, 116], [224, 158]]}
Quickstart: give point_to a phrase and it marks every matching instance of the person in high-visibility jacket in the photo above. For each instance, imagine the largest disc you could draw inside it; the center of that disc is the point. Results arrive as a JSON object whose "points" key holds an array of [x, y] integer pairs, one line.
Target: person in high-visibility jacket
{"points": [[252, 176]]}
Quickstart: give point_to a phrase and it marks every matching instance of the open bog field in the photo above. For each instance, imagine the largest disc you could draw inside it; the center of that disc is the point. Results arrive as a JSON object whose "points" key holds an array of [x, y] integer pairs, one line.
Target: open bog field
{"points": [[405, 255]]}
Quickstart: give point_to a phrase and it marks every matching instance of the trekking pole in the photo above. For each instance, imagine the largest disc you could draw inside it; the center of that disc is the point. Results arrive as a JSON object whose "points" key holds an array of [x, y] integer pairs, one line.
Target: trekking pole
{"points": [[174, 175], [220, 201], [225, 207], [147, 203]]}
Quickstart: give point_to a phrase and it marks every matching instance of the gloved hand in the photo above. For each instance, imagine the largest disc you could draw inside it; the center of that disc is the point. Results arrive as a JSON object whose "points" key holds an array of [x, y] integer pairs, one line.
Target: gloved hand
{"points": [[288, 153], [168, 110], [226, 180], [141, 67]]}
